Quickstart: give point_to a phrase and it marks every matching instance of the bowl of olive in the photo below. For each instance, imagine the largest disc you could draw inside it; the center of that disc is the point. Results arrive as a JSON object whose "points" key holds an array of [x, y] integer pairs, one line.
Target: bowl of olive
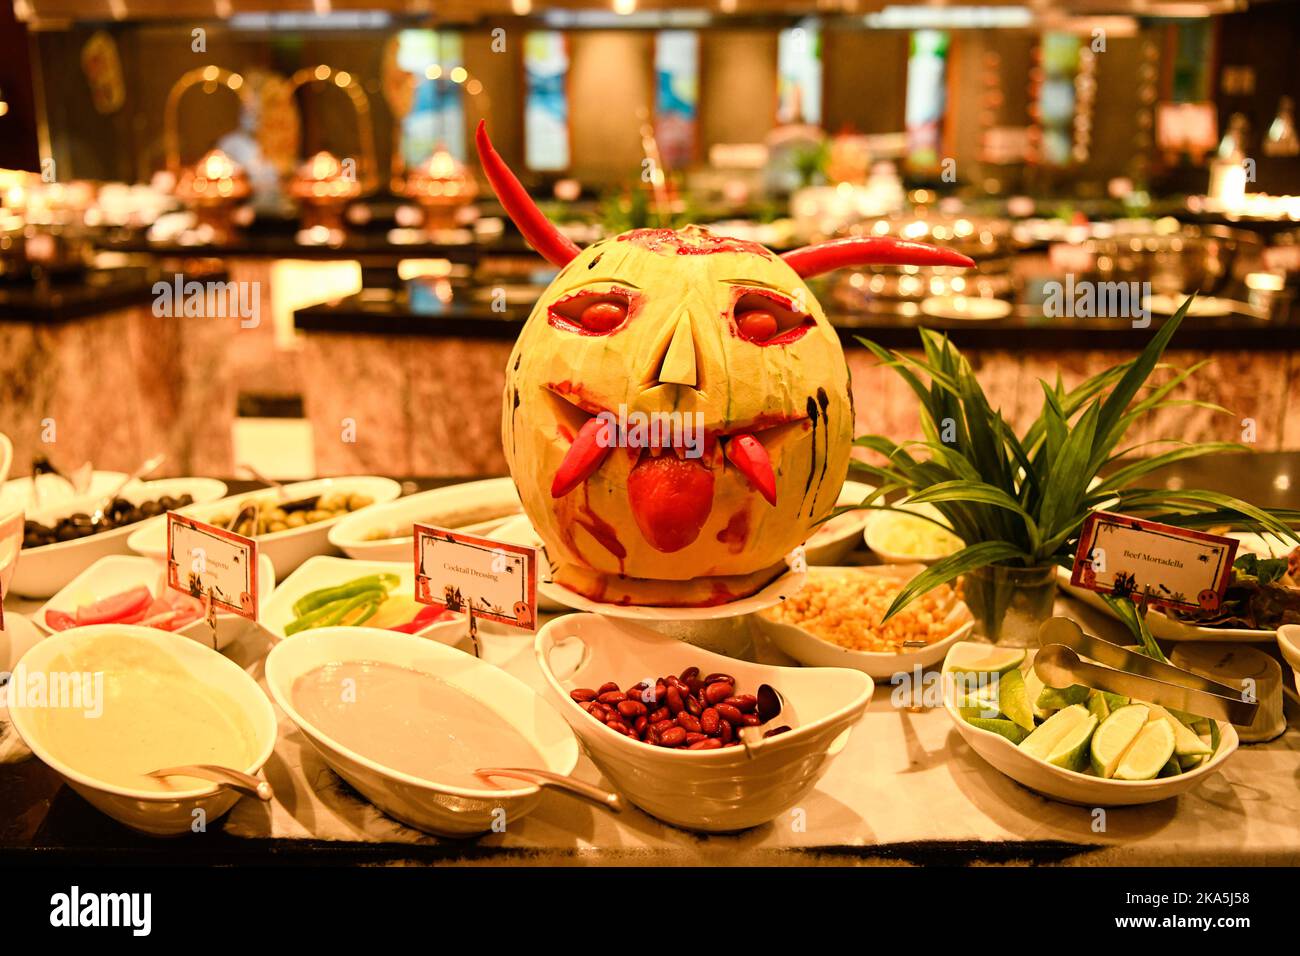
{"points": [[62, 540]]}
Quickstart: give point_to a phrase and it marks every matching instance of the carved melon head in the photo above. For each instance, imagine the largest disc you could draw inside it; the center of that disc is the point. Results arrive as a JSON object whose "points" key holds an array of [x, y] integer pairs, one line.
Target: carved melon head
{"points": [[677, 411]]}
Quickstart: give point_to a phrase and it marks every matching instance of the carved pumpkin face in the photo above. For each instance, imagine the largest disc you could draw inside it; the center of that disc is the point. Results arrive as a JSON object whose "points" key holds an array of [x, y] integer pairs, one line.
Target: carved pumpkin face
{"points": [[721, 344], [677, 412]]}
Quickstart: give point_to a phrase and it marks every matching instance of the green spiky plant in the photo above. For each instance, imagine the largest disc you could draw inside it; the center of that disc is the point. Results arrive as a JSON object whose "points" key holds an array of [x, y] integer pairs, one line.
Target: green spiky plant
{"points": [[1019, 501]]}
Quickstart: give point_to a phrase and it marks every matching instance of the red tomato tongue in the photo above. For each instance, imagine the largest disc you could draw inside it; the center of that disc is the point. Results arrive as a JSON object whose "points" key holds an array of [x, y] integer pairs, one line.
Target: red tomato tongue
{"points": [[671, 499]]}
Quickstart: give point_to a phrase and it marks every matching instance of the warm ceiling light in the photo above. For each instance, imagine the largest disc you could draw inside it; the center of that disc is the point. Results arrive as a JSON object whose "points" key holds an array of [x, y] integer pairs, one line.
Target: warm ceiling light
{"points": [[727, 6], [459, 74], [323, 72], [624, 7], [432, 72], [521, 8]]}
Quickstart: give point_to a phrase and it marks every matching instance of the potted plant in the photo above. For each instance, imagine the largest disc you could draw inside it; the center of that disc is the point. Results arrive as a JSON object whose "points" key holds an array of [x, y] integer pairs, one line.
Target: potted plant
{"points": [[1018, 502]]}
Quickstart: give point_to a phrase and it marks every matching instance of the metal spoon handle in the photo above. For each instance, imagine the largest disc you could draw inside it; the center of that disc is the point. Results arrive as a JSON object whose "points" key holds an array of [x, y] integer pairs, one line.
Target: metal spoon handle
{"points": [[545, 778], [234, 779]]}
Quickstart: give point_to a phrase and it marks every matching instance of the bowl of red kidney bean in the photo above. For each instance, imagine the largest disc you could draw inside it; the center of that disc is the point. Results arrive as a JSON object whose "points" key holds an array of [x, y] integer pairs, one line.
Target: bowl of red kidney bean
{"points": [[690, 710], [671, 743]]}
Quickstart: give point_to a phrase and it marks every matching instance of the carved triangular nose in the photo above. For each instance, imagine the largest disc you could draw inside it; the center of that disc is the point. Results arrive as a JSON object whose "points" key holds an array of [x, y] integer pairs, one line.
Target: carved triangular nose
{"points": [[678, 365]]}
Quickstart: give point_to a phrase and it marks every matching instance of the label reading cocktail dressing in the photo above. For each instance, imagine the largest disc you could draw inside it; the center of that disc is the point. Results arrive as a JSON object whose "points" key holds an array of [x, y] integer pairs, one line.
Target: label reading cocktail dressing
{"points": [[1168, 566], [212, 564], [463, 572]]}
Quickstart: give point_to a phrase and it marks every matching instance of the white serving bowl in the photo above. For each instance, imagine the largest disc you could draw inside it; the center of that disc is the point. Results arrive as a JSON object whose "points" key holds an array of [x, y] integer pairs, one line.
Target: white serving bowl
{"points": [[807, 648], [834, 540], [711, 790], [1069, 786], [42, 571], [48, 490], [148, 811], [441, 507], [326, 571], [881, 522], [286, 549], [424, 804], [1288, 641], [121, 572]]}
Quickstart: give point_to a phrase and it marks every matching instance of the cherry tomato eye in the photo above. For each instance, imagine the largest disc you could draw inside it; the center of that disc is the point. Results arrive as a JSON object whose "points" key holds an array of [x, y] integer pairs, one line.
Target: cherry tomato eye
{"points": [[757, 325], [603, 316]]}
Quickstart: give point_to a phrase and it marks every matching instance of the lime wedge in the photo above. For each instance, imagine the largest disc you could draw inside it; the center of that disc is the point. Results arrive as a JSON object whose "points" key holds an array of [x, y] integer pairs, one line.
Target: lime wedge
{"points": [[1186, 743], [1014, 700], [1149, 753], [1114, 736], [1054, 698], [1052, 731], [1115, 701], [1190, 762], [1097, 705], [1173, 768], [984, 658], [1072, 750], [1034, 687], [1006, 728]]}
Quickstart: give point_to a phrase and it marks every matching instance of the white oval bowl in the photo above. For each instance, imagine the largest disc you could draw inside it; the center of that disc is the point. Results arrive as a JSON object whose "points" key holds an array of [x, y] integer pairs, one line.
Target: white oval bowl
{"points": [[439, 507], [17, 492], [161, 814], [809, 649], [286, 549], [325, 571], [42, 571], [121, 572], [834, 540], [710, 790], [1288, 641], [426, 805], [1081, 789], [874, 531]]}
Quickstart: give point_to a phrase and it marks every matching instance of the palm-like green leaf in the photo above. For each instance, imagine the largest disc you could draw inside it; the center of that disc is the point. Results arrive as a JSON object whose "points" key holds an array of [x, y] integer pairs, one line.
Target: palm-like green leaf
{"points": [[1022, 501], [951, 568]]}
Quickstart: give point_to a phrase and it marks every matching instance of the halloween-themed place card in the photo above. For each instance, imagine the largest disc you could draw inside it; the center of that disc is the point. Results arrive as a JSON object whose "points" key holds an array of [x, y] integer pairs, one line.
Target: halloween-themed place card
{"points": [[212, 564], [492, 580], [1168, 566]]}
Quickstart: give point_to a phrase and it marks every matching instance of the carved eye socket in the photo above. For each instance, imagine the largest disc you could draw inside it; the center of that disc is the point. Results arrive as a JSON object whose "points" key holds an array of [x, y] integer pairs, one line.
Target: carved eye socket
{"points": [[593, 313], [767, 319]]}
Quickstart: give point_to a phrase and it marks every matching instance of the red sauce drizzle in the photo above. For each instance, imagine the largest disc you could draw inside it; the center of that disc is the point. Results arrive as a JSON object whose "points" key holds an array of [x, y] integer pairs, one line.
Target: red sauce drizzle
{"points": [[736, 534]]}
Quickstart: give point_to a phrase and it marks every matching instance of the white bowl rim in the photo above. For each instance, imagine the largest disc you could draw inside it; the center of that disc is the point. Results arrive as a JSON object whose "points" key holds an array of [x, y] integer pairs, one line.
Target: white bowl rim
{"points": [[721, 754], [338, 533], [149, 796], [388, 484], [127, 529], [401, 776], [861, 516], [1227, 735], [870, 657]]}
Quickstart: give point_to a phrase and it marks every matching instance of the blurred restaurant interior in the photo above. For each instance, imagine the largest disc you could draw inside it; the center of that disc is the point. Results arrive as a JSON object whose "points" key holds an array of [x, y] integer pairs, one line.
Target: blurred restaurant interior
{"points": [[319, 156]]}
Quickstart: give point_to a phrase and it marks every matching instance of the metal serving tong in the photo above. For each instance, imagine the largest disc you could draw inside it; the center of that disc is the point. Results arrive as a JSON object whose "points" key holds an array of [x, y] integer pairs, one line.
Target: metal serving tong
{"points": [[1133, 675]]}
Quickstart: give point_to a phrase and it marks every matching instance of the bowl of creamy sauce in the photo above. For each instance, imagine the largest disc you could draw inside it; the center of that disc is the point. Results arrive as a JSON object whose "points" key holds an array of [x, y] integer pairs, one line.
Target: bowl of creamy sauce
{"points": [[103, 705], [407, 721]]}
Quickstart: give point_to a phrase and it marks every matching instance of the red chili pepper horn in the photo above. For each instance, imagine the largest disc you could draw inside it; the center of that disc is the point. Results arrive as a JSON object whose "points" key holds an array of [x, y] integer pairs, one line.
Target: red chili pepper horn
{"points": [[808, 261], [532, 222], [867, 251]]}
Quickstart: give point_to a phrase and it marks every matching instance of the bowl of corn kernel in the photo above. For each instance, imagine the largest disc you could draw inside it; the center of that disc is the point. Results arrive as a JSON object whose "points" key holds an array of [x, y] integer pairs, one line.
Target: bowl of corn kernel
{"points": [[835, 621]]}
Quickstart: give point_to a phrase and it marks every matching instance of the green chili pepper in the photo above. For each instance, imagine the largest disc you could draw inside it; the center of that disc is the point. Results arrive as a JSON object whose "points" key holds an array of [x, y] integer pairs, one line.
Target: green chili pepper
{"points": [[317, 599], [349, 605], [332, 613]]}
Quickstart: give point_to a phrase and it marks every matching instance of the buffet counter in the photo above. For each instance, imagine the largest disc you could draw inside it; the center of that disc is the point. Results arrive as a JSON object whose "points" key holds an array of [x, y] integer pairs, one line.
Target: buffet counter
{"points": [[907, 789]]}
